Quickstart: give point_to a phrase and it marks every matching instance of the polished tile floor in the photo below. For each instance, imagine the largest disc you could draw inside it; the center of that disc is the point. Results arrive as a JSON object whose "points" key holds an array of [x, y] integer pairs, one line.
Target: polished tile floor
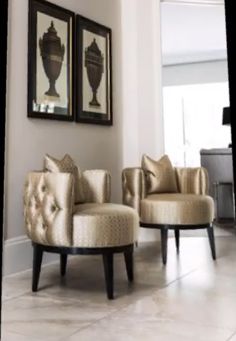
{"points": [[192, 298]]}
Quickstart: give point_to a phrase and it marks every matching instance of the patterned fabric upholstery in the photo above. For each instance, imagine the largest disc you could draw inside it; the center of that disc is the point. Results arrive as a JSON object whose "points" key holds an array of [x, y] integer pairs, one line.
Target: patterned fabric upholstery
{"points": [[191, 205], [66, 165], [177, 209], [104, 225], [51, 218], [97, 186]]}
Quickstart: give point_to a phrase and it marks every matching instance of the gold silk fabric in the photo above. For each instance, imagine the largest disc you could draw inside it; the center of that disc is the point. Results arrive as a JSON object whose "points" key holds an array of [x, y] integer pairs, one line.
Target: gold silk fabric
{"points": [[192, 180], [48, 207], [52, 218], [133, 187], [104, 225], [66, 165], [177, 209], [96, 186], [160, 175], [190, 206]]}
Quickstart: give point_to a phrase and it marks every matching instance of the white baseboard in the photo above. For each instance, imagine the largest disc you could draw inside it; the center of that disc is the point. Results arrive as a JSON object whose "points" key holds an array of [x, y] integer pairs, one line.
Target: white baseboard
{"points": [[18, 255], [148, 235]]}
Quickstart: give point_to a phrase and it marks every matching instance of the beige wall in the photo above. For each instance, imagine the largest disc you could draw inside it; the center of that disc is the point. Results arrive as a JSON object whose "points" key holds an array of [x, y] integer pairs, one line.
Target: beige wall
{"points": [[136, 98], [142, 94]]}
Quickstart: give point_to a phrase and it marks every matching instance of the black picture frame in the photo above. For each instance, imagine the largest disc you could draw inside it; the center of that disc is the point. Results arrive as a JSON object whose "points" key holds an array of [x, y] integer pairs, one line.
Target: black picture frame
{"points": [[50, 64], [93, 73]]}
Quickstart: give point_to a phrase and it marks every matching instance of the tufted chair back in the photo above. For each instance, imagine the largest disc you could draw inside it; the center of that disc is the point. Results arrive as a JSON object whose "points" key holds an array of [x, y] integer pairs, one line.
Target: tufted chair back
{"points": [[49, 203]]}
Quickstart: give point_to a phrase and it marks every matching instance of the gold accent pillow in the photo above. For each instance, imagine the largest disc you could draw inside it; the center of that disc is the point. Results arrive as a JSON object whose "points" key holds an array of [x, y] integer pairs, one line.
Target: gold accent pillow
{"points": [[67, 165], [160, 175]]}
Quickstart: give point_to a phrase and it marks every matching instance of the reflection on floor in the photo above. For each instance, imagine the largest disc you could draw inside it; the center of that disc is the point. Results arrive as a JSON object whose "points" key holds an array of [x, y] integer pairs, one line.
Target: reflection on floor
{"points": [[192, 298]]}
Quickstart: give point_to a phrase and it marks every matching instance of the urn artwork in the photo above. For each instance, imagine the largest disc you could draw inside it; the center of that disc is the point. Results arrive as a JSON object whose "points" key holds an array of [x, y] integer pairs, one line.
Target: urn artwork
{"points": [[52, 53], [50, 61], [93, 100], [94, 63]]}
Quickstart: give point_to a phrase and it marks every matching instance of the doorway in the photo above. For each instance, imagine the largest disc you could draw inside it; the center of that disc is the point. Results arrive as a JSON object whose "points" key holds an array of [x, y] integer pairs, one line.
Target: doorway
{"points": [[195, 93]]}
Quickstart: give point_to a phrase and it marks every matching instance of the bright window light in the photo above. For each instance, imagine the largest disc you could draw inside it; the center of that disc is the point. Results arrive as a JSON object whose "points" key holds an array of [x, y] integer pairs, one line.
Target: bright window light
{"points": [[193, 121]]}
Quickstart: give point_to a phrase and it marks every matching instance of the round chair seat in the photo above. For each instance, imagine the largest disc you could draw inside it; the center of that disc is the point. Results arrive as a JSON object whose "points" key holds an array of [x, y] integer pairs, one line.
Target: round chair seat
{"points": [[177, 209], [104, 225]]}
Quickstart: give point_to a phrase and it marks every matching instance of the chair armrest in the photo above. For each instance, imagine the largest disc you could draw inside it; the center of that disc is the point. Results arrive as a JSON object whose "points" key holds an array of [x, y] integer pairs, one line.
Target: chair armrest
{"points": [[192, 180], [48, 208], [133, 187], [97, 186]]}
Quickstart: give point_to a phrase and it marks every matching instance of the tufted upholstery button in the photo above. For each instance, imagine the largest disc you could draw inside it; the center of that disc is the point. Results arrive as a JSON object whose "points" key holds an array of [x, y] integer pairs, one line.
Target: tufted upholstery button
{"points": [[53, 208], [49, 204]]}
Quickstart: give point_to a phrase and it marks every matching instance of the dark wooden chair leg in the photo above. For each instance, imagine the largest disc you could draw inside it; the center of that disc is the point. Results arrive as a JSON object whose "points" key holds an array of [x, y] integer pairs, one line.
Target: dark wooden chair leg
{"points": [[108, 269], [211, 238], [37, 261], [164, 243], [129, 265], [177, 239], [63, 262]]}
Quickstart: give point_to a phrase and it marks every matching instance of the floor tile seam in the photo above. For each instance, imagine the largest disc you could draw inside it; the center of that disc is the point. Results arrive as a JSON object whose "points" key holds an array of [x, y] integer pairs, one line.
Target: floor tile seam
{"points": [[11, 331], [180, 277], [193, 323], [15, 297], [29, 270], [118, 310], [28, 295], [173, 282], [230, 338], [109, 315], [19, 334], [56, 262], [206, 325], [199, 324], [70, 300], [44, 296], [95, 322], [115, 311], [60, 300]]}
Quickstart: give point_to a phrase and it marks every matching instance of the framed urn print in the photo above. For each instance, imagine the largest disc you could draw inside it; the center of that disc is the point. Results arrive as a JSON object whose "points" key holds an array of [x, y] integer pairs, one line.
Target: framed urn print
{"points": [[94, 72], [50, 61]]}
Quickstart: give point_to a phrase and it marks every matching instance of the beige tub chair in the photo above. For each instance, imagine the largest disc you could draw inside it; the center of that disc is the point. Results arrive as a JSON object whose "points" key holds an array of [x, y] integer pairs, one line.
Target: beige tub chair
{"points": [[68, 212], [169, 198]]}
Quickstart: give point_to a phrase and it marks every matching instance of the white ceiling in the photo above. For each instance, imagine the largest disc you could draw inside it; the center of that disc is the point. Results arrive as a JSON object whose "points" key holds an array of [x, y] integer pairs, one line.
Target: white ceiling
{"points": [[192, 33]]}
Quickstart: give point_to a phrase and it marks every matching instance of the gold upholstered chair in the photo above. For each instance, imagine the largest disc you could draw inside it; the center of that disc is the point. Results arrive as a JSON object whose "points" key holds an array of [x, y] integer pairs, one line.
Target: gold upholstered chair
{"points": [[169, 198], [68, 212]]}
